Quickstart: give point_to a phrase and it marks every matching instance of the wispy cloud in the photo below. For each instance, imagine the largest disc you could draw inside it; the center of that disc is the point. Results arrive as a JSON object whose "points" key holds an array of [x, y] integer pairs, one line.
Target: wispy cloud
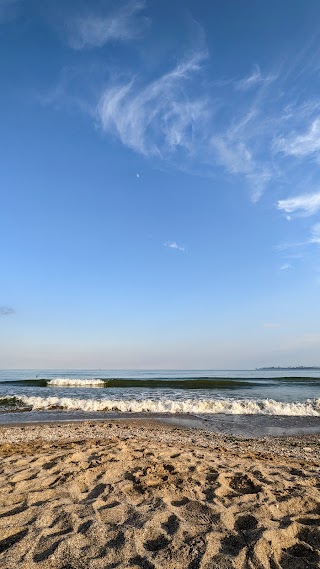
{"points": [[236, 157], [315, 234], [202, 123], [307, 204], [291, 245], [300, 112], [171, 114], [301, 145], [122, 24], [286, 267], [312, 239], [6, 311], [173, 245], [293, 256], [253, 80], [158, 118]]}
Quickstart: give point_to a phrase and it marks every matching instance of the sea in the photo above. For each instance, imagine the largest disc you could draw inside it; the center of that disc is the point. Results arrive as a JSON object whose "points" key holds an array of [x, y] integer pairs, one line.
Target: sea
{"points": [[244, 402]]}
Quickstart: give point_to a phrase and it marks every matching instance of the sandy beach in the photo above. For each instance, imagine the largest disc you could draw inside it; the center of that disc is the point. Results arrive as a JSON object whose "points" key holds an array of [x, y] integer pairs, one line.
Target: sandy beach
{"points": [[144, 495]]}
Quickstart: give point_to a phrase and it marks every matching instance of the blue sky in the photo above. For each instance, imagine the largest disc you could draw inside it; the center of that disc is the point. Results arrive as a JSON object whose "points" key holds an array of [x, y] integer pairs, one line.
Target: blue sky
{"points": [[160, 185]]}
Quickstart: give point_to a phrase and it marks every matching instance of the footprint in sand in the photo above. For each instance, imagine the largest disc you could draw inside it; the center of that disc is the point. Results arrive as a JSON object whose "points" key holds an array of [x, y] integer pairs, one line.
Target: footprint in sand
{"points": [[232, 544], [299, 556], [13, 511], [172, 524], [179, 503], [12, 538], [246, 523], [219, 561], [96, 492], [156, 544], [310, 536], [243, 484], [85, 526], [43, 551], [139, 562]]}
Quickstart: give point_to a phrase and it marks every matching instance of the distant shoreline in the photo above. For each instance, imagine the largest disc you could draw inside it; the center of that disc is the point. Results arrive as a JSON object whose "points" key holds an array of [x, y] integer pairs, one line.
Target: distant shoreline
{"points": [[276, 368]]}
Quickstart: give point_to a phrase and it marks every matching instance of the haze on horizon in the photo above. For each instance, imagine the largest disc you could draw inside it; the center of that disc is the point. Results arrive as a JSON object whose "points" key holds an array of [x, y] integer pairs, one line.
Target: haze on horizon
{"points": [[160, 186]]}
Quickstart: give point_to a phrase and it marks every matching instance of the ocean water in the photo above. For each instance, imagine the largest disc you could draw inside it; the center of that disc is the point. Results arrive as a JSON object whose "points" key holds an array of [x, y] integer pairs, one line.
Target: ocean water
{"points": [[200, 393]]}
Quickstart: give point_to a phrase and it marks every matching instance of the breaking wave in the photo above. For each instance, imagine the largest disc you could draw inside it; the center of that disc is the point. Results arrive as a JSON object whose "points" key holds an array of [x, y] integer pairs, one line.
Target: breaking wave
{"points": [[310, 407], [11, 403], [187, 383], [70, 382]]}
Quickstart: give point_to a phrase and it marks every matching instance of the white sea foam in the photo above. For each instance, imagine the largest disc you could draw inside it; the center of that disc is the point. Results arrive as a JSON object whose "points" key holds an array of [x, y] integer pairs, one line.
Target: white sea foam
{"points": [[74, 382], [309, 408]]}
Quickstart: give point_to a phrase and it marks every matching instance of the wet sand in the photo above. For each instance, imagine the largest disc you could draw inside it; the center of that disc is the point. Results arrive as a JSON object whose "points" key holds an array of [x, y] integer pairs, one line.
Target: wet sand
{"points": [[147, 495], [239, 425]]}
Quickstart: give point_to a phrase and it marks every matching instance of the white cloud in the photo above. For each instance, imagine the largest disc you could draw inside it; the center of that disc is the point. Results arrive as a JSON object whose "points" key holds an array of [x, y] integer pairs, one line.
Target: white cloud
{"points": [[183, 119], [291, 245], [158, 118], [254, 79], [306, 204], [315, 234], [314, 238], [301, 145], [162, 119], [236, 157], [173, 245], [98, 30], [250, 80], [300, 112], [293, 256], [285, 267]]}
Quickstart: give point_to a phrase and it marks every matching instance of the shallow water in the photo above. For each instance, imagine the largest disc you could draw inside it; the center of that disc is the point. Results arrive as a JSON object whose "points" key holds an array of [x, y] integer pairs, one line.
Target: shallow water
{"points": [[249, 426], [216, 397]]}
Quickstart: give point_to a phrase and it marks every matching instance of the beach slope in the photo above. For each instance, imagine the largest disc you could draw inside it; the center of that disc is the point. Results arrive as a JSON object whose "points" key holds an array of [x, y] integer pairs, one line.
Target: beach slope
{"points": [[144, 495]]}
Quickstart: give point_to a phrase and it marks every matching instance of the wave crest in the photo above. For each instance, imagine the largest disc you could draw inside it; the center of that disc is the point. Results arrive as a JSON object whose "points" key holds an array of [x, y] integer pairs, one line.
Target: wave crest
{"points": [[74, 382], [309, 407]]}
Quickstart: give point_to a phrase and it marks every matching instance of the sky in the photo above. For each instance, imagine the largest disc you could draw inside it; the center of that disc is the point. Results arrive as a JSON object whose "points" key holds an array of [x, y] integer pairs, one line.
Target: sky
{"points": [[159, 184]]}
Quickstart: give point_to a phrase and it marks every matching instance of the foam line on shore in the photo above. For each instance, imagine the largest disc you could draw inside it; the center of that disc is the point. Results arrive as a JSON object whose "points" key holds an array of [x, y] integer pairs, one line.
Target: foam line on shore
{"points": [[310, 407]]}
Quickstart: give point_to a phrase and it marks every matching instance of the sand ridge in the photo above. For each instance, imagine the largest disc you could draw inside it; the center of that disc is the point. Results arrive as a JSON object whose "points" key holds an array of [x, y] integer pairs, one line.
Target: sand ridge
{"points": [[148, 497]]}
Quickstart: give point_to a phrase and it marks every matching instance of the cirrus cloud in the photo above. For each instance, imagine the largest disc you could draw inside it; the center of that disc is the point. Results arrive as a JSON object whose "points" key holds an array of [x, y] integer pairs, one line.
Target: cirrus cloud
{"points": [[253, 80], [158, 118], [301, 145], [97, 30], [305, 204], [315, 234]]}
